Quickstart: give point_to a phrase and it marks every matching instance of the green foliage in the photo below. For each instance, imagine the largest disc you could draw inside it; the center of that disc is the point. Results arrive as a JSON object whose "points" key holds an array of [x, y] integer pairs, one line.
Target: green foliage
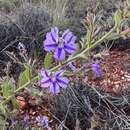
{"points": [[7, 88], [25, 76], [18, 126], [118, 18], [58, 14], [9, 5], [89, 36], [113, 36], [7, 91], [2, 124], [128, 15], [3, 110], [128, 2], [48, 60], [14, 102], [57, 10]]}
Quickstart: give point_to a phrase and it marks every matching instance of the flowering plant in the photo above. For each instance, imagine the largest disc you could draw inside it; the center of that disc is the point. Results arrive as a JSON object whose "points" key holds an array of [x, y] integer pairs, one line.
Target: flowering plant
{"points": [[62, 50], [61, 44], [63, 47], [53, 80]]}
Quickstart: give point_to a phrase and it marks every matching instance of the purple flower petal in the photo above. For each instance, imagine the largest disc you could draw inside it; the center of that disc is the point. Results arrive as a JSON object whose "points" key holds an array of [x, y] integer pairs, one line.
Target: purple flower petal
{"points": [[59, 54], [55, 30], [43, 121], [65, 33], [97, 69], [48, 46], [71, 40], [58, 73], [44, 73], [54, 88], [72, 67], [50, 38], [69, 37], [70, 48], [54, 34], [45, 83], [62, 81], [26, 120]]}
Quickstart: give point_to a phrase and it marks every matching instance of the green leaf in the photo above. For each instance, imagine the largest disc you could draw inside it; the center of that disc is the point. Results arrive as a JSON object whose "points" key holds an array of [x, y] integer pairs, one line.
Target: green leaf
{"points": [[25, 76], [128, 14], [48, 60], [3, 110], [18, 126], [15, 103], [113, 36], [35, 92], [7, 88], [89, 34], [128, 2], [118, 18], [2, 124]]}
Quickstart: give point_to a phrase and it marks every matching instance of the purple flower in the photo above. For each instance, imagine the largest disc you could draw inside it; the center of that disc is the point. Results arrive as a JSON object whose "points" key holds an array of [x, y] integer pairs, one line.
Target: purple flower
{"points": [[97, 69], [72, 66], [53, 80], [60, 44], [43, 121], [26, 120]]}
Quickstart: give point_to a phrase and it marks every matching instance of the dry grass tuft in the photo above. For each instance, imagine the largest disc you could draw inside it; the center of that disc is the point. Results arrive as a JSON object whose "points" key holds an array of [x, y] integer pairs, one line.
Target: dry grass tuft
{"points": [[93, 108]]}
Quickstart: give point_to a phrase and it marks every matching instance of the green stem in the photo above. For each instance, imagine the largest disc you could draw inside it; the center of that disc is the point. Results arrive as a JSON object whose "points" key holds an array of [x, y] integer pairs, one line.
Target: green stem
{"points": [[19, 89]]}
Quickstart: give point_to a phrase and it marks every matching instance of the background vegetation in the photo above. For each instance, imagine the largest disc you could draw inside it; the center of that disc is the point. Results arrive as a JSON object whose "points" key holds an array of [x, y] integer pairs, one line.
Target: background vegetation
{"points": [[27, 21]]}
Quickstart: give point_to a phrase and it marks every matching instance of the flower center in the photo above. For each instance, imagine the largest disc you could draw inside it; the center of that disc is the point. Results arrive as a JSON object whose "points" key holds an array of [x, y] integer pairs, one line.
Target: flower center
{"points": [[61, 42], [53, 78]]}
